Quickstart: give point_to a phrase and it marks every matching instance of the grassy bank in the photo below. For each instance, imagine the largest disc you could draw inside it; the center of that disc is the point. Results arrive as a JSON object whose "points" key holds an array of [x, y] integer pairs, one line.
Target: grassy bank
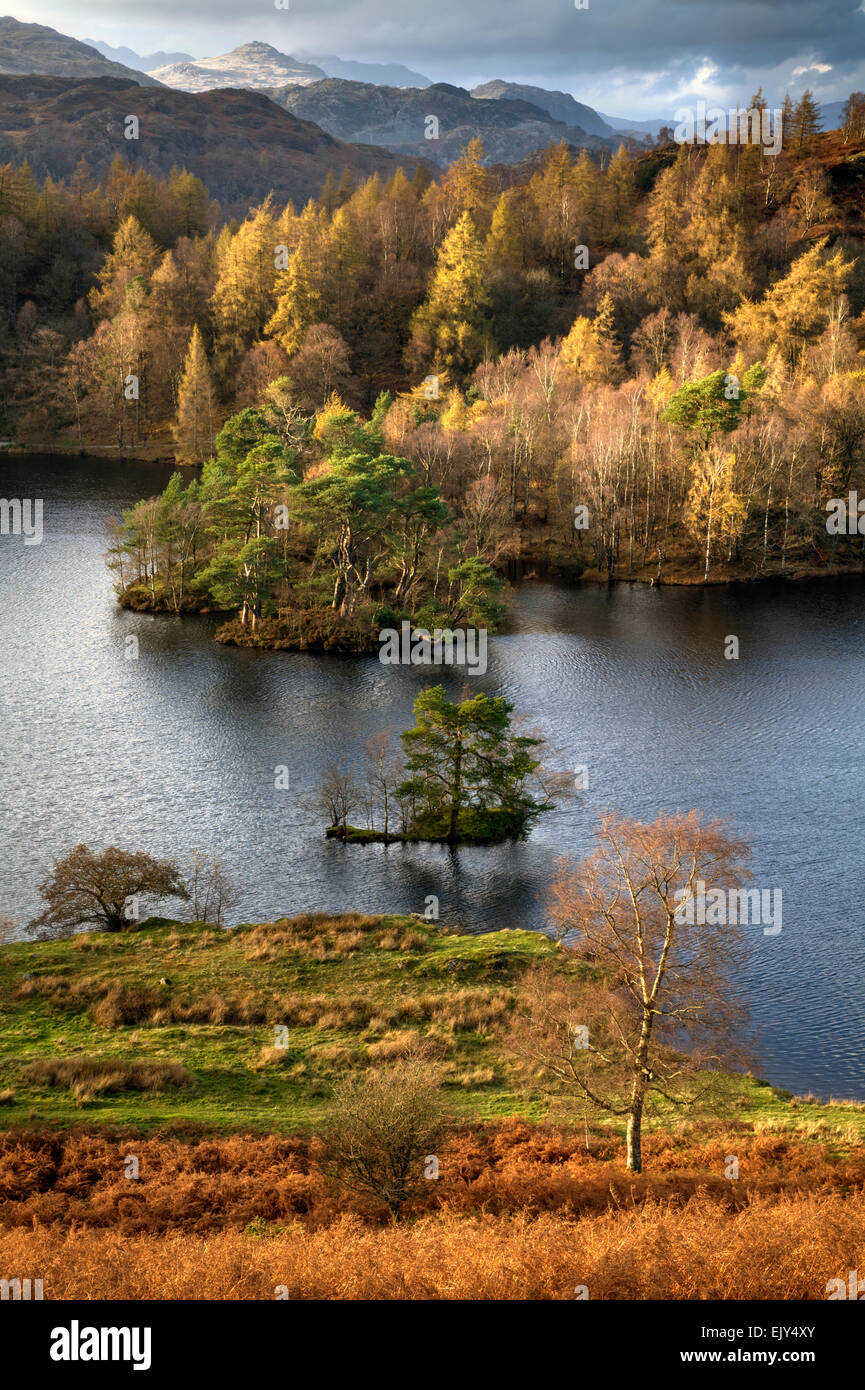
{"points": [[352, 991], [159, 1045]]}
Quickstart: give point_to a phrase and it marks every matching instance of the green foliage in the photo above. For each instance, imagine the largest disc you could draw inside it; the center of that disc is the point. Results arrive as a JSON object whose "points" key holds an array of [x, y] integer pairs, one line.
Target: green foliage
{"points": [[708, 406], [469, 774], [474, 589]]}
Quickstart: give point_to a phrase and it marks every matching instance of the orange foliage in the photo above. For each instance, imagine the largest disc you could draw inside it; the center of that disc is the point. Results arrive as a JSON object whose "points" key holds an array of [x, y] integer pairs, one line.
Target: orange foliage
{"points": [[776, 1247], [200, 1185]]}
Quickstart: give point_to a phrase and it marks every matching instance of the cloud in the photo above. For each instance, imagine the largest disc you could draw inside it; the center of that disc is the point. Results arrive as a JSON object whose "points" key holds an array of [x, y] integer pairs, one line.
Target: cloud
{"points": [[812, 67], [653, 48]]}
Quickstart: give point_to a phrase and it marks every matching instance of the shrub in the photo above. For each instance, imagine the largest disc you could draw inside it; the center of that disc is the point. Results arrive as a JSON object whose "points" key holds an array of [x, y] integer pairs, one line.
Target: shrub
{"points": [[383, 1125]]}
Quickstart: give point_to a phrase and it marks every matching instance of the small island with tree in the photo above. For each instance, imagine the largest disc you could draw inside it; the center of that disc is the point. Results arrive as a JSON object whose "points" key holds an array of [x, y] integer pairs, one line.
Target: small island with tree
{"points": [[466, 776]]}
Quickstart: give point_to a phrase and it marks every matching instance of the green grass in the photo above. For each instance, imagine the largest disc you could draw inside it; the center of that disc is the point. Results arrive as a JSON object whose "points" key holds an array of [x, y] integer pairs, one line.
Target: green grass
{"points": [[398, 959], [229, 1092]]}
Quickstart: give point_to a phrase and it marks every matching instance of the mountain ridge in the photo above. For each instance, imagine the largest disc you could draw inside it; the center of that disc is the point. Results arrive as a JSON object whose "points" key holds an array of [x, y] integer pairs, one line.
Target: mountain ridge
{"points": [[398, 119], [560, 105], [238, 142], [139, 62], [37, 50]]}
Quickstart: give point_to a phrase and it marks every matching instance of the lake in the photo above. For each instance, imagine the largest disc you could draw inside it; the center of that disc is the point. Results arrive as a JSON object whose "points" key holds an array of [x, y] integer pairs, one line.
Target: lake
{"points": [[177, 750]]}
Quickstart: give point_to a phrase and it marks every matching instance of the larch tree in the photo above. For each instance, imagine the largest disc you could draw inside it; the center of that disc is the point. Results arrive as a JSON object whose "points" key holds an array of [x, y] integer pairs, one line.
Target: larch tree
{"points": [[300, 301], [243, 296], [450, 330], [196, 405], [806, 120], [467, 186], [591, 348], [853, 117], [505, 246], [795, 310], [556, 208], [133, 254]]}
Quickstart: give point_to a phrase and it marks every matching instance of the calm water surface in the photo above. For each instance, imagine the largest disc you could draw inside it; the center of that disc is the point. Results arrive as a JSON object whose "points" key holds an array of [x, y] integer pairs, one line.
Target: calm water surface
{"points": [[177, 750]]}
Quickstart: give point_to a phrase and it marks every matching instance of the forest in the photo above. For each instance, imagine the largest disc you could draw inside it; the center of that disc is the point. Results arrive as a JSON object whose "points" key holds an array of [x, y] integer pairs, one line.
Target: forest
{"points": [[645, 366]]}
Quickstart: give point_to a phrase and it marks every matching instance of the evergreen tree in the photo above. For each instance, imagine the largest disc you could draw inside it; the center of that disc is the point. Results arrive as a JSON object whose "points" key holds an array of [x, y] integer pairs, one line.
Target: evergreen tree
{"points": [[469, 773]]}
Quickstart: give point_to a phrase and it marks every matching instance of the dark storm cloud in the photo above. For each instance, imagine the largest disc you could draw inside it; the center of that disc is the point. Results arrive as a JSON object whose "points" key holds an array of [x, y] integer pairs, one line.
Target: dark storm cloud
{"points": [[661, 44], [622, 31]]}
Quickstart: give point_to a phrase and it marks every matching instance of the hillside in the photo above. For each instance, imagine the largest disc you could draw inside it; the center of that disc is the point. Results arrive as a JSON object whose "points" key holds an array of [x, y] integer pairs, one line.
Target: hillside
{"points": [[351, 990], [560, 105], [34, 48], [156, 1144], [354, 991], [397, 118], [241, 144], [255, 65]]}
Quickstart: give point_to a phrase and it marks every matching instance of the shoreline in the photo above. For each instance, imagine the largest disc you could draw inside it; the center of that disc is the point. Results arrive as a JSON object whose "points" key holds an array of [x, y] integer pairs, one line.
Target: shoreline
{"points": [[318, 634]]}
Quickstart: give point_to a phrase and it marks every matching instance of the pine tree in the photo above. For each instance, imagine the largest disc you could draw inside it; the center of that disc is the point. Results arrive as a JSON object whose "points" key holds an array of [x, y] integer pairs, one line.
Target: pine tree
{"points": [[196, 406]]}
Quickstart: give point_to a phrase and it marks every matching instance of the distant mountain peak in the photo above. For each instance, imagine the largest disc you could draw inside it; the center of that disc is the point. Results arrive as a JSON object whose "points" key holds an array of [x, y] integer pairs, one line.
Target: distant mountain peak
{"points": [[560, 105], [256, 65], [256, 49]]}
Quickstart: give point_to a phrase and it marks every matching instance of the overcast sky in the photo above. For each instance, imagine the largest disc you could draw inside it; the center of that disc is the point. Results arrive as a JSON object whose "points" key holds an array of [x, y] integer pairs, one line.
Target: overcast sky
{"points": [[636, 58]]}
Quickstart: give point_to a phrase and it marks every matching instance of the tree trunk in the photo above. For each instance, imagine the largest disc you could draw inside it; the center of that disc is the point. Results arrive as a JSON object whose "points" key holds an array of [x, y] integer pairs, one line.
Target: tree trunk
{"points": [[456, 791], [709, 533], [635, 1126]]}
